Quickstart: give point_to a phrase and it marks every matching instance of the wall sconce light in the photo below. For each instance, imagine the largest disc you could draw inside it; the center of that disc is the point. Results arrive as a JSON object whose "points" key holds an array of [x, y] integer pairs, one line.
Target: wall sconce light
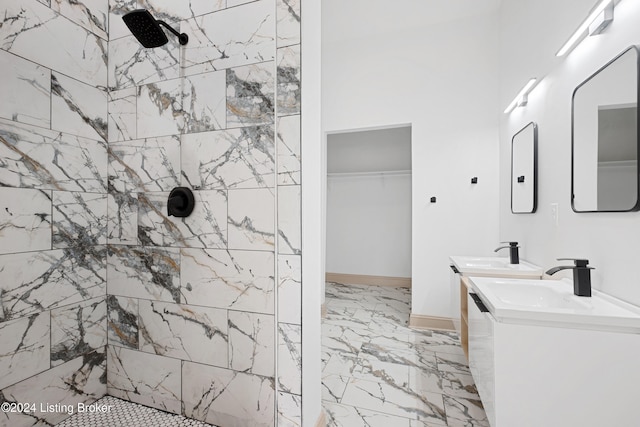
{"points": [[595, 23], [521, 98]]}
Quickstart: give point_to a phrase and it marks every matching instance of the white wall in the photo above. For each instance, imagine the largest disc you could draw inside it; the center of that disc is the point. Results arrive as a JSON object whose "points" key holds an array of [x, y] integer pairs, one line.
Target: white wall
{"points": [[609, 240], [369, 224], [433, 65], [386, 149]]}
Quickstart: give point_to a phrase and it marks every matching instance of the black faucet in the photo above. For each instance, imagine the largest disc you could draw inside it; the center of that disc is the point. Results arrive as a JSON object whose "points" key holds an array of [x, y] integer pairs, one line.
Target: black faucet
{"points": [[514, 258], [581, 275]]}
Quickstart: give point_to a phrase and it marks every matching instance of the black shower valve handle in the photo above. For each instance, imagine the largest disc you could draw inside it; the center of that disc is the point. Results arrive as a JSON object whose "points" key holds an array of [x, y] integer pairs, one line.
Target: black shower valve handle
{"points": [[180, 202]]}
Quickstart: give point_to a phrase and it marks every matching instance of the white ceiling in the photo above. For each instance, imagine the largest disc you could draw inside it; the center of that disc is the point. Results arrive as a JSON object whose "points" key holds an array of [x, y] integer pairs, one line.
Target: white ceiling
{"points": [[344, 20], [370, 151]]}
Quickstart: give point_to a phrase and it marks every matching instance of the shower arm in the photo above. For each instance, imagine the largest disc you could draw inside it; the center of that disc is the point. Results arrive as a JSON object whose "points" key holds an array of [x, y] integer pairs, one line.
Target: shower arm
{"points": [[183, 38]]}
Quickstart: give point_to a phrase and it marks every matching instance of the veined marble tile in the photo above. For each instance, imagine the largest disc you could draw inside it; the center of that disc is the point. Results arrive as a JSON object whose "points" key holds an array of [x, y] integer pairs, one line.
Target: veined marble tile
{"points": [[289, 219], [289, 410], [465, 412], [122, 321], [460, 385], [438, 341], [387, 315], [186, 332], [45, 2], [343, 336], [25, 344], [340, 344], [204, 101], [288, 26], [122, 224], [250, 95], [341, 364], [122, 114], [339, 415], [225, 397], [234, 3], [290, 289], [81, 380], [39, 158], [234, 158], [62, 45], [25, 90], [289, 89], [237, 280], [392, 341], [25, 220], [206, 227], [355, 319], [175, 11], [144, 378], [333, 387], [141, 272], [251, 219], [251, 343], [90, 14], [151, 164], [79, 219], [131, 64], [192, 104], [374, 369], [230, 38], [288, 140], [452, 362], [78, 108], [394, 400], [160, 109], [26, 279], [290, 358], [417, 360], [117, 8], [77, 330]]}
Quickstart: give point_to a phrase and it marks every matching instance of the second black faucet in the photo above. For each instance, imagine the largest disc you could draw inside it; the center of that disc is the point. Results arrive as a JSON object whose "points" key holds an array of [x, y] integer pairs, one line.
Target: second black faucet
{"points": [[514, 257]]}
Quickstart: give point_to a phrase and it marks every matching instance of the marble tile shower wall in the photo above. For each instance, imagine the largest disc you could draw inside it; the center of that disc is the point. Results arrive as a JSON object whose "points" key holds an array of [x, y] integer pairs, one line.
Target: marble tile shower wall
{"points": [[204, 312], [53, 206]]}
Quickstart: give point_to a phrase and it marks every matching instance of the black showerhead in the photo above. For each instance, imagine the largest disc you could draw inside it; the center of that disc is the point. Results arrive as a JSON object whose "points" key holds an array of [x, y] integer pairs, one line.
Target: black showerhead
{"points": [[147, 29]]}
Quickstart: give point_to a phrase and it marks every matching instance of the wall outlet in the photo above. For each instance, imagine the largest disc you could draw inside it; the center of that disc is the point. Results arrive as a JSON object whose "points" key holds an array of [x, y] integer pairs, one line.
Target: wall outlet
{"points": [[554, 214]]}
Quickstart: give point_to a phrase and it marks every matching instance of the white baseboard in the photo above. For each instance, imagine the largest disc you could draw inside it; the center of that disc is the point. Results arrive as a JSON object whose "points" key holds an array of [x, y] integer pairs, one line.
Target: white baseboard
{"points": [[363, 279], [420, 321]]}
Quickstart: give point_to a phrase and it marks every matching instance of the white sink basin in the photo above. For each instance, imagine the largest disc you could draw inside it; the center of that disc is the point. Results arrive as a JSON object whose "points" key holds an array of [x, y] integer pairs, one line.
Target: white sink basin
{"points": [[553, 302], [494, 266]]}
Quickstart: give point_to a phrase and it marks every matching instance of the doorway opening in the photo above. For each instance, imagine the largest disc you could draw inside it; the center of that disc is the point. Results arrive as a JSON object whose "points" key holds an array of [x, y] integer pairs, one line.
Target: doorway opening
{"points": [[368, 207]]}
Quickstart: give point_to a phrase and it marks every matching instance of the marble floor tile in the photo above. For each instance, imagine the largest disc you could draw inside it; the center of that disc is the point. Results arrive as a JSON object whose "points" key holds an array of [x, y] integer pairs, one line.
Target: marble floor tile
{"points": [[465, 412], [379, 372], [349, 416], [333, 387], [393, 399], [340, 364]]}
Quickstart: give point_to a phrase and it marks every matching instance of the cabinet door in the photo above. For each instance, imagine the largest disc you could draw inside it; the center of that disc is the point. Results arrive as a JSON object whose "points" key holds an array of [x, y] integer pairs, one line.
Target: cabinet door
{"points": [[481, 356]]}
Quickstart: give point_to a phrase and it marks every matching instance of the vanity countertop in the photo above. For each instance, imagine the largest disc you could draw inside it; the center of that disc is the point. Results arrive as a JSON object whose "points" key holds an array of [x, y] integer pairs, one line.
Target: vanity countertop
{"points": [[553, 303], [494, 267]]}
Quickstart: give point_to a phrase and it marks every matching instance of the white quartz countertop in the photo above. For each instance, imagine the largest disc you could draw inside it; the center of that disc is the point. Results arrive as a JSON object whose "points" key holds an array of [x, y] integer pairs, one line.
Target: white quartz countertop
{"points": [[494, 266], [553, 303]]}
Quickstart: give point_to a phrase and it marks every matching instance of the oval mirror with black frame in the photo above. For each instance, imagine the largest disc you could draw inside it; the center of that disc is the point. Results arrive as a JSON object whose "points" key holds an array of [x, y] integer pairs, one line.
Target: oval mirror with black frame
{"points": [[604, 138], [524, 170]]}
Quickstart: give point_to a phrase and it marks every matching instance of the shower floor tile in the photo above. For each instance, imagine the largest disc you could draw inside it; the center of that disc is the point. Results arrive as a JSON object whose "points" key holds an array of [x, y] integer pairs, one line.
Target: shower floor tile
{"points": [[128, 414], [379, 372]]}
